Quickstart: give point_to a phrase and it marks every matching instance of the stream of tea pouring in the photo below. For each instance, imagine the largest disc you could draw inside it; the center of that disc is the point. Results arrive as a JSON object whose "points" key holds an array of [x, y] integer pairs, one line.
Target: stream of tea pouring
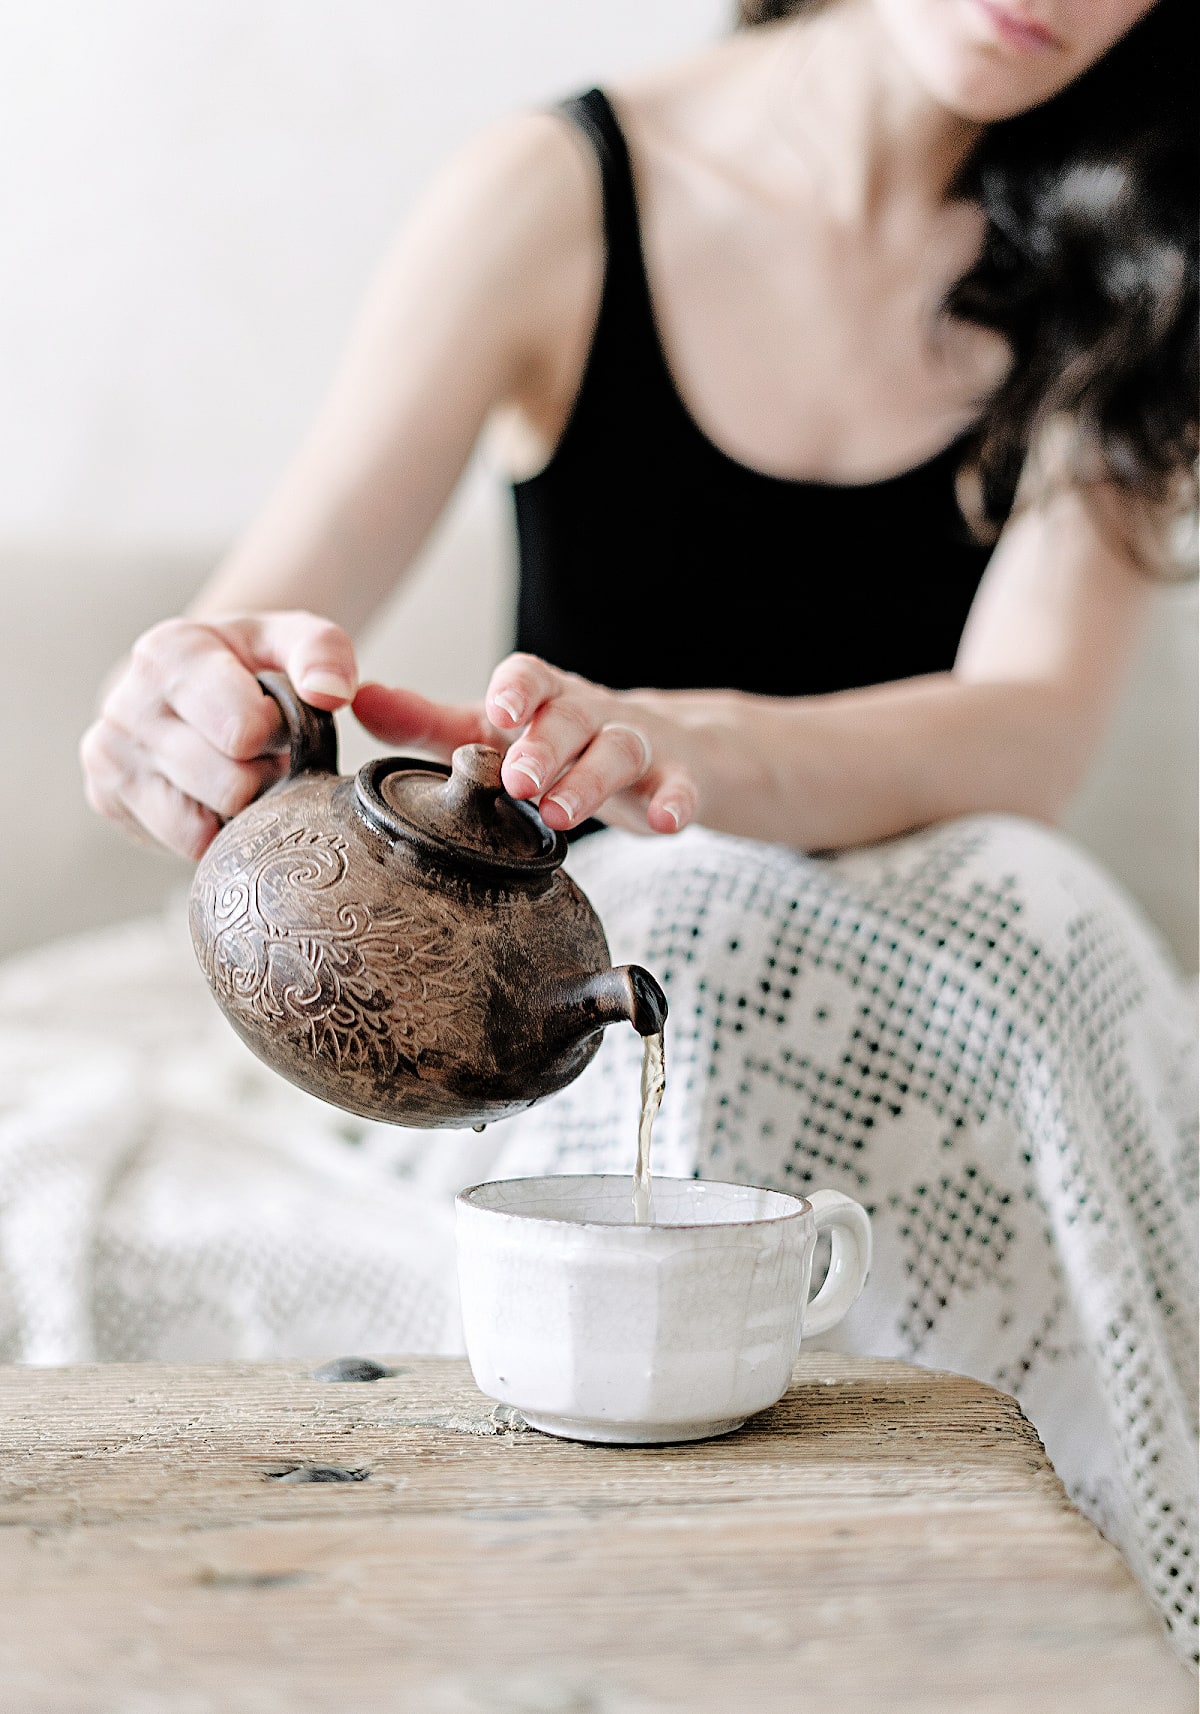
{"points": [[654, 1081]]}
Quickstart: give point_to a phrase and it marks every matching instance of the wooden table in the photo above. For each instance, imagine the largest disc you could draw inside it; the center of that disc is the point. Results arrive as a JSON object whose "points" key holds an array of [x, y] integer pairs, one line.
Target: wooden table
{"points": [[886, 1539]]}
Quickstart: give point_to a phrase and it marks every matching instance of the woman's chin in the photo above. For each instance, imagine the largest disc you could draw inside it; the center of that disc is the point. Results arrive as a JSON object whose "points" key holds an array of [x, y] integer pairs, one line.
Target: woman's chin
{"points": [[984, 88], [987, 102]]}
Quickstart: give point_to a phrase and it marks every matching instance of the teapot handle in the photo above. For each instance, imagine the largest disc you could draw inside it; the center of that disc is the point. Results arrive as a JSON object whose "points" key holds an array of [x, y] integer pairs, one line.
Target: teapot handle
{"points": [[311, 731]]}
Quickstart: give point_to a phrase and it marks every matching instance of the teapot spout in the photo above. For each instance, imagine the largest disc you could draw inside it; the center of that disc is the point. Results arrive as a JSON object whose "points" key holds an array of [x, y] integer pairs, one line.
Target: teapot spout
{"points": [[627, 994]]}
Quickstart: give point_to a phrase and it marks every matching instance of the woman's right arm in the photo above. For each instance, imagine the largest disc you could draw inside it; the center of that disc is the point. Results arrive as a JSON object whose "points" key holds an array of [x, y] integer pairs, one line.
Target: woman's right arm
{"points": [[486, 301]]}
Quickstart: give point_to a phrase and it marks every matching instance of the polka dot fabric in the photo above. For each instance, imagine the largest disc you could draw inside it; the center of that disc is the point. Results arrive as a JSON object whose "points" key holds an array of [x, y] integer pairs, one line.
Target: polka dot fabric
{"points": [[971, 1031]]}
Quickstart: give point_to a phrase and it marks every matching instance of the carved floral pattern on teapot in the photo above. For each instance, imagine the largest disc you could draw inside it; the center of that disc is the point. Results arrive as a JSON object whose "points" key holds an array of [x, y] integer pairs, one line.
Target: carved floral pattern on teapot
{"points": [[364, 991]]}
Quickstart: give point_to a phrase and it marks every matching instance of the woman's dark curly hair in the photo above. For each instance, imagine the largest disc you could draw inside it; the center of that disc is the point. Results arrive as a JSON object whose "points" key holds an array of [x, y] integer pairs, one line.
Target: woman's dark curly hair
{"points": [[1088, 269]]}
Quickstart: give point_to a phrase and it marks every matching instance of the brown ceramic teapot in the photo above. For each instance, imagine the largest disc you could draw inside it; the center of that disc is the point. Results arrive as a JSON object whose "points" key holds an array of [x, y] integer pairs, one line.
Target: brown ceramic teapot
{"points": [[405, 943]]}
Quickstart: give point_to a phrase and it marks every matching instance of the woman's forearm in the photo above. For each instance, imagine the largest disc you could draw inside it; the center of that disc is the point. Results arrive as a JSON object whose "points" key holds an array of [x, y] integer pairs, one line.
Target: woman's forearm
{"points": [[825, 772], [334, 565]]}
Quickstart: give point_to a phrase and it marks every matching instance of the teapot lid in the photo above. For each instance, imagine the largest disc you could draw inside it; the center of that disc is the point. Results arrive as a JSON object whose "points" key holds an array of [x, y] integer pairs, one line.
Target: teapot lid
{"points": [[460, 814]]}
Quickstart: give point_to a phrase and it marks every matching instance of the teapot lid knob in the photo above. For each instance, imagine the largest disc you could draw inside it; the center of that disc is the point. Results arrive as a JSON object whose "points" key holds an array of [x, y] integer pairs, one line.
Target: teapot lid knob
{"points": [[479, 764]]}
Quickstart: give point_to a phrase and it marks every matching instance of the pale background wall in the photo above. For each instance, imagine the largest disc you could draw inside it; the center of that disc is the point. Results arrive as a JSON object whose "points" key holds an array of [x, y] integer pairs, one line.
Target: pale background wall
{"points": [[192, 195]]}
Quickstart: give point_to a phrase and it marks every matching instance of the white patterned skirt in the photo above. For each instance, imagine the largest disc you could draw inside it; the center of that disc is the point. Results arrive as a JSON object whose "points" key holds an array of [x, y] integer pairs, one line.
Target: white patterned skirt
{"points": [[970, 1030]]}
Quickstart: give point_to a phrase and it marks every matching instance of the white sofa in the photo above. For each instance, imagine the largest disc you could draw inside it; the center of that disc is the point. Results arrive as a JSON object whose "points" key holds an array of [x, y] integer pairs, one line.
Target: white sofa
{"points": [[71, 612]]}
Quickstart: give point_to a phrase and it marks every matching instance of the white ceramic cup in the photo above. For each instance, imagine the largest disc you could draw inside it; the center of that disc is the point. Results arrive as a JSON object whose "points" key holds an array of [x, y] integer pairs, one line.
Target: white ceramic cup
{"points": [[596, 1328]]}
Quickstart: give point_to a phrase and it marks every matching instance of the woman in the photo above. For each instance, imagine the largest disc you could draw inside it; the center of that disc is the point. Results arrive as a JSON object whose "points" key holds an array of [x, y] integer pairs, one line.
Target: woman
{"points": [[778, 343]]}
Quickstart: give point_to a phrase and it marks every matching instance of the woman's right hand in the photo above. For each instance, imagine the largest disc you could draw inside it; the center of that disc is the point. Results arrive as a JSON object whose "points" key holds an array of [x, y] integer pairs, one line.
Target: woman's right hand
{"points": [[186, 738]]}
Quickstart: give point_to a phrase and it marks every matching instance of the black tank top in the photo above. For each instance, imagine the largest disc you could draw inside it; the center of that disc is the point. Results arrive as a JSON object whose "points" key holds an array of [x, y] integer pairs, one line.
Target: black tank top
{"points": [[648, 557]]}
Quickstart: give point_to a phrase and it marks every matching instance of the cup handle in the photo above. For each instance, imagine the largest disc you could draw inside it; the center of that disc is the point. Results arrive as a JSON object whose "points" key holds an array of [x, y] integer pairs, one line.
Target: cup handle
{"points": [[850, 1229]]}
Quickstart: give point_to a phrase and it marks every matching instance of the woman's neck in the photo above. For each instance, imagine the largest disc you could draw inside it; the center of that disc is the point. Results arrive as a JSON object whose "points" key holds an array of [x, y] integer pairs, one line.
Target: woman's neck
{"points": [[839, 98]]}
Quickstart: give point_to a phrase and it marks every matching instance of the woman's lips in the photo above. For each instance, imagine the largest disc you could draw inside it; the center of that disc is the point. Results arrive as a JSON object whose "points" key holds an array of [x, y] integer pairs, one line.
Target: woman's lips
{"points": [[1015, 30]]}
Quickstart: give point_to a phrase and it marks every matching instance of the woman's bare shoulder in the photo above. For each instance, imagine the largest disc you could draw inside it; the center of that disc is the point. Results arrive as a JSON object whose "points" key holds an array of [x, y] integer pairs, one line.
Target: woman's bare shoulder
{"points": [[540, 164], [525, 195]]}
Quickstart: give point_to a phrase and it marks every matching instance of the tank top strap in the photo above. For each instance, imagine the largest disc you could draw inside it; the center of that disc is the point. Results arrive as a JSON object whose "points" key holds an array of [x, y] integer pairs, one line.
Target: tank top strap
{"points": [[626, 313]]}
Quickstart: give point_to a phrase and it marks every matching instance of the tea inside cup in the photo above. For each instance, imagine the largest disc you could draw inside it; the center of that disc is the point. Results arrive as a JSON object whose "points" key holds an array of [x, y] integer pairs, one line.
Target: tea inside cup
{"points": [[604, 1200]]}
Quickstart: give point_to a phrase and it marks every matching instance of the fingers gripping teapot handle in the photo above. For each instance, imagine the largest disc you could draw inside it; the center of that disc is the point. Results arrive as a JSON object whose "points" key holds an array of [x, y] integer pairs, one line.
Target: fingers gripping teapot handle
{"points": [[849, 1226], [311, 731]]}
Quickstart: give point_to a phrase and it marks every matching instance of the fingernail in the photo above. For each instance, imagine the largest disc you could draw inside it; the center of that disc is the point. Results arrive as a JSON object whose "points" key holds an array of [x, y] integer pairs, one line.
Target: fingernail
{"points": [[327, 684], [669, 809], [522, 765], [567, 804], [510, 704]]}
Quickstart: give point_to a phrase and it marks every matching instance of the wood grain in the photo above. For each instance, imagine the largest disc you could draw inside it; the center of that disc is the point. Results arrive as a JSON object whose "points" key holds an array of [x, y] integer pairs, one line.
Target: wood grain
{"points": [[886, 1538]]}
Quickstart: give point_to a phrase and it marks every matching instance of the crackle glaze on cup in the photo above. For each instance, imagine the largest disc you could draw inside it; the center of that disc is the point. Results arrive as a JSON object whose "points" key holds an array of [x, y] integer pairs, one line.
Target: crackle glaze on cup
{"points": [[596, 1328]]}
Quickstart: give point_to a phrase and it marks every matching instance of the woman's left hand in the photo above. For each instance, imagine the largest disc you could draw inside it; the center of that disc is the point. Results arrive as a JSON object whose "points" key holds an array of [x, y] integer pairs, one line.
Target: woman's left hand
{"points": [[578, 749]]}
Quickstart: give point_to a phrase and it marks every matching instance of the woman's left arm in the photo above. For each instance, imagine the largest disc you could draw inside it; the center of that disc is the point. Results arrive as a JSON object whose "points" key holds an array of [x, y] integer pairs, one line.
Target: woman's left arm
{"points": [[1012, 727]]}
